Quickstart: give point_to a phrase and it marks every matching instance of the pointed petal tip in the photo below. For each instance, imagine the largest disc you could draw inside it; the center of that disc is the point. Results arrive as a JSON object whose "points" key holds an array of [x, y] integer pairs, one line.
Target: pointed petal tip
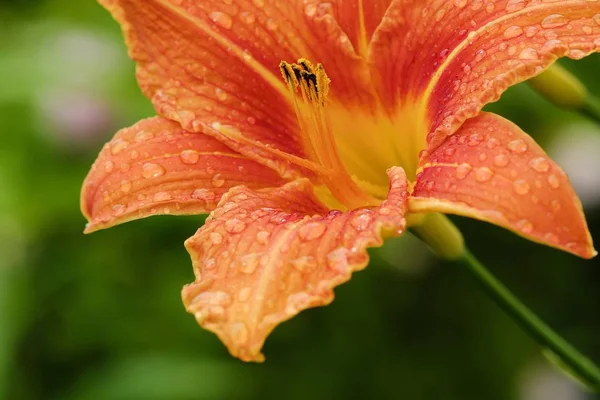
{"points": [[493, 171], [264, 256]]}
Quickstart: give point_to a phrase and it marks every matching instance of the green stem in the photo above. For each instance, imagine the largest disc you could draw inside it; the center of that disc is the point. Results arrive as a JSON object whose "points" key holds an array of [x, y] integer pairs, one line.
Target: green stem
{"points": [[577, 363], [591, 108]]}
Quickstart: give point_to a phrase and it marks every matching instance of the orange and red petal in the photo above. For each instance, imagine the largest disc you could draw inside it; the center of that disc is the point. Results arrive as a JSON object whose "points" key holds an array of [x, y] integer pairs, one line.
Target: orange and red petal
{"points": [[264, 256], [214, 67], [156, 167], [493, 171], [456, 56]]}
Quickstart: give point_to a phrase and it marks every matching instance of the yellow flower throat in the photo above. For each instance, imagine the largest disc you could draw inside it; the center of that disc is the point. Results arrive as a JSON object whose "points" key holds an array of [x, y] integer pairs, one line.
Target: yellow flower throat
{"points": [[351, 149]]}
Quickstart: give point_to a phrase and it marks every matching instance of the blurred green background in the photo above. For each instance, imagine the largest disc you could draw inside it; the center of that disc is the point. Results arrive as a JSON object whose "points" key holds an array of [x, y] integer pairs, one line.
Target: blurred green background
{"points": [[100, 316]]}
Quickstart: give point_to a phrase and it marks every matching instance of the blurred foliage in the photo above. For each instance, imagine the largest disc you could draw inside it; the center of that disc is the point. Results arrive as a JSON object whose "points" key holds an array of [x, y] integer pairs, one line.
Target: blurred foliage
{"points": [[100, 316]]}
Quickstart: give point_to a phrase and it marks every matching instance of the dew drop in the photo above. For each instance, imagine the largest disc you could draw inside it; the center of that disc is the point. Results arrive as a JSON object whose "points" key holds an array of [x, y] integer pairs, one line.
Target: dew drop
{"points": [[483, 174], [310, 10], [514, 5], [143, 136], [152, 170], [524, 226], [360, 222], [555, 204], [247, 17], [521, 187], [235, 225], [249, 263], [304, 264], [312, 231], [475, 140], [118, 145], [540, 164], [554, 21], [203, 194], [221, 19], [528, 53], [189, 156], [125, 186], [221, 94], [262, 237], [463, 170], [216, 238], [217, 180], [118, 209], [479, 55], [244, 294], [272, 24], [513, 32], [162, 196], [492, 143], [109, 166], [553, 181], [517, 146], [450, 151]]}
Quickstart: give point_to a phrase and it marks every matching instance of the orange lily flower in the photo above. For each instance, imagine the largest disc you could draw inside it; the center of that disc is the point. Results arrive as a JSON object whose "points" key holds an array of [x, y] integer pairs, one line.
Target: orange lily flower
{"points": [[290, 159]]}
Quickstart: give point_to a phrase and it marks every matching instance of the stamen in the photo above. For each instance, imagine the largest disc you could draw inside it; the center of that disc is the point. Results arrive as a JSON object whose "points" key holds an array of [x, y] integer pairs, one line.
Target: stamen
{"points": [[312, 83]]}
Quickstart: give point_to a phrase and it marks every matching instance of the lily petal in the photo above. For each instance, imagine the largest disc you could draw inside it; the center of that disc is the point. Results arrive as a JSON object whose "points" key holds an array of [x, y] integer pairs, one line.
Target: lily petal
{"points": [[475, 50], [263, 256], [155, 167], [491, 170], [222, 77]]}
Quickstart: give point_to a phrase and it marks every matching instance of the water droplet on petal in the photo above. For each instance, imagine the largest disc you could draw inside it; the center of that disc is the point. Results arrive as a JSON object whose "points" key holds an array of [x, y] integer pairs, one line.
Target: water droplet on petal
{"points": [[221, 94], [310, 10], [312, 231], [143, 136], [118, 209], [483, 174], [162, 196], [152, 170], [118, 145], [528, 53], [554, 21], [521, 186], [216, 238], [262, 237], [249, 263], [203, 194], [235, 225], [553, 181], [360, 222], [513, 32], [517, 146], [524, 226], [109, 166], [540, 164], [125, 186], [463, 170], [501, 160], [304, 264], [555, 204], [514, 5], [475, 140], [217, 180], [189, 156], [221, 19]]}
